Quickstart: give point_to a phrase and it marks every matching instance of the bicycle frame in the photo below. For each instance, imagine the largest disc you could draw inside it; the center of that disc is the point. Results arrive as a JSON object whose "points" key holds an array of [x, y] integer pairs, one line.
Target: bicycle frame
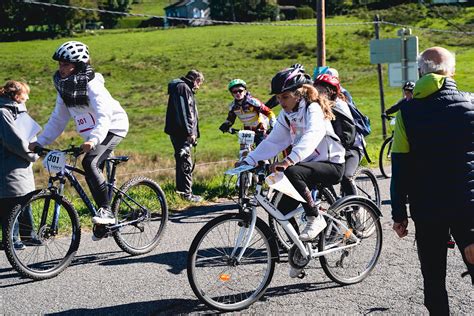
{"points": [[245, 233], [69, 175]]}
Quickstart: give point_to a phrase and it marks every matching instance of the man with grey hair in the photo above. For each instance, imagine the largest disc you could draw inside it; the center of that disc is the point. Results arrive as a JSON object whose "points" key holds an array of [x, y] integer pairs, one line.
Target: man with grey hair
{"points": [[433, 165], [183, 127]]}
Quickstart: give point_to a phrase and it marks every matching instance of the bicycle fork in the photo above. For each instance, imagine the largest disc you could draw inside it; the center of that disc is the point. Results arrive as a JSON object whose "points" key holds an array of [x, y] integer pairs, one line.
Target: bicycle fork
{"points": [[244, 237]]}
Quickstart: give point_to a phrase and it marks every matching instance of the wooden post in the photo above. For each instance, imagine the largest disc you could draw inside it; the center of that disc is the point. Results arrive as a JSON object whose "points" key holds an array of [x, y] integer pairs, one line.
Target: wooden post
{"points": [[380, 75], [321, 33]]}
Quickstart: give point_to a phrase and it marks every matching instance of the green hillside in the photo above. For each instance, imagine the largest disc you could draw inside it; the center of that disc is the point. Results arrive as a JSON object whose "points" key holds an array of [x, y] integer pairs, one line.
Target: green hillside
{"points": [[137, 66]]}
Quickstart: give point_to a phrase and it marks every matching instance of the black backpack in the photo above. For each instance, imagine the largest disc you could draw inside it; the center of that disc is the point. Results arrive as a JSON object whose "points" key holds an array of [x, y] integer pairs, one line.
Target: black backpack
{"points": [[344, 127]]}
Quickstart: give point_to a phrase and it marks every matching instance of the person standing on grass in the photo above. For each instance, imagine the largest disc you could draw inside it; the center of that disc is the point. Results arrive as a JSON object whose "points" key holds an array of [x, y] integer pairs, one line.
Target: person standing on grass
{"points": [[16, 173], [433, 166], [99, 119], [182, 125]]}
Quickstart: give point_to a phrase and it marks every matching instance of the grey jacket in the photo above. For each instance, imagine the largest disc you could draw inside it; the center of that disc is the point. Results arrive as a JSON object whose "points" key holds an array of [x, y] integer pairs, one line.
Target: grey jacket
{"points": [[16, 173]]}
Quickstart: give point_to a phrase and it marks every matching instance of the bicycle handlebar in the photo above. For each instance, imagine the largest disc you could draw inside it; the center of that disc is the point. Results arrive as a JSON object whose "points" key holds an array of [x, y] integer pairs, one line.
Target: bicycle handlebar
{"points": [[74, 150]]}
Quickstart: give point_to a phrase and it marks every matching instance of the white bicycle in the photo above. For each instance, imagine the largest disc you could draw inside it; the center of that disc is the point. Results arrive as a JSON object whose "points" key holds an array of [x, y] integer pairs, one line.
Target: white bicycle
{"points": [[232, 259]]}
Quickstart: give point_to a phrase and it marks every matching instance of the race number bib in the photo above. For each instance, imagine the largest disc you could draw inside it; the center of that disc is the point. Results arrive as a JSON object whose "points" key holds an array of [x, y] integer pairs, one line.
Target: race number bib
{"points": [[55, 161], [84, 122]]}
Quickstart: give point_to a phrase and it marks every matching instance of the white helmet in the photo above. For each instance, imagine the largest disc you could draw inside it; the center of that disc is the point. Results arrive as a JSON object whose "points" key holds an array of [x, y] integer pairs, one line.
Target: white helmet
{"points": [[72, 52]]}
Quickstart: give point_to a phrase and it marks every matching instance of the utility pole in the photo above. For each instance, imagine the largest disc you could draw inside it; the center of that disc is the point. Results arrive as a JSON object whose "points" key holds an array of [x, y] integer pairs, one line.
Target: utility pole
{"points": [[379, 71], [321, 33]]}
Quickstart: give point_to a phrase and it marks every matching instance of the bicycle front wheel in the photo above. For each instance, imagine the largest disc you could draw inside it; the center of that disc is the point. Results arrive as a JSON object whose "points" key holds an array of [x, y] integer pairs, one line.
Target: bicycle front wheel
{"points": [[385, 158], [51, 237], [217, 276], [350, 262], [367, 185], [141, 207]]}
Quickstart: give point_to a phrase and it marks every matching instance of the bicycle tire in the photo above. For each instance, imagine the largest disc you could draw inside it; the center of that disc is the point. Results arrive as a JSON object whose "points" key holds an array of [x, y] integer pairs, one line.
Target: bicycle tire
{"points": [[348, 266], [299, 221], [209, 261], [143, 236], [47, 259], [367, 185], [385, 157]]}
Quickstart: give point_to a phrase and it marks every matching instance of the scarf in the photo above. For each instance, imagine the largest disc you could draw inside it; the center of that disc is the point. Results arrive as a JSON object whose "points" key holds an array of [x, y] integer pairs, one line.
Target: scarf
{"points": [[73, 89]]}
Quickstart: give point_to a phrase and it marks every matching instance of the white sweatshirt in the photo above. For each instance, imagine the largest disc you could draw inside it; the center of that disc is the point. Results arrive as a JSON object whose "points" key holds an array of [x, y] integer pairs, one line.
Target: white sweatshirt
{"points": [[311, 135], [104, 114]]}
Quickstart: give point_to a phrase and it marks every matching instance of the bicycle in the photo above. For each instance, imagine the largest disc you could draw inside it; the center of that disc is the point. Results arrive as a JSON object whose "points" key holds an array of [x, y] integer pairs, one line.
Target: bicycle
{"points": [[385, 155], [232, 259], [139, 206]]}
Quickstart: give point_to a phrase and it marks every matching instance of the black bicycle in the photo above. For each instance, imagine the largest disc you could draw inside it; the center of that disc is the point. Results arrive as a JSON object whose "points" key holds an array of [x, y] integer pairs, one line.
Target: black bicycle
{"points": [[139, 205]]}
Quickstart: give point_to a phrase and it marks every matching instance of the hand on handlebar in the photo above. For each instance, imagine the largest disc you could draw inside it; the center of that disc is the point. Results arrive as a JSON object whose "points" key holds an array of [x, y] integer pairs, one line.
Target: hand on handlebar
{"points": [[240, 163], [87, 146], [279, 166], [225, 127]]}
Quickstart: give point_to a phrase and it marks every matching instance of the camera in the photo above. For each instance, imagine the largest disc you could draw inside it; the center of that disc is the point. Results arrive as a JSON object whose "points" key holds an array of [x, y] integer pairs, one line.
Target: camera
{"points": [[186, 150]]}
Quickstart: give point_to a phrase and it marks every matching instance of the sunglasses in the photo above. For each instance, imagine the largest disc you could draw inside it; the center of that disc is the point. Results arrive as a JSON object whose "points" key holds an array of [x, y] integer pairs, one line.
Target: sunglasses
{"points": [[237, 91]]}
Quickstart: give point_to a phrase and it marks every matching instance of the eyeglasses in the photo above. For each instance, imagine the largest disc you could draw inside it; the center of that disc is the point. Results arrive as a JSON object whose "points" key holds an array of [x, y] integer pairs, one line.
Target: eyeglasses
{"points": [[238, 91]]}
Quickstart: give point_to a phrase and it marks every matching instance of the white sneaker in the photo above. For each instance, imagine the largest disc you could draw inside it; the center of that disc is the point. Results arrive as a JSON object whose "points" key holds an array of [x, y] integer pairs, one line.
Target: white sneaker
{"points": [[104, 217], [294, 272], [314, 226]]}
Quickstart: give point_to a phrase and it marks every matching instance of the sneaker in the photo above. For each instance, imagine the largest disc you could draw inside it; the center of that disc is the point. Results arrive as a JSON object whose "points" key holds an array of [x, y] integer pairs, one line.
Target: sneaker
{"points": [[104, 216], [314, 226], [18, 245], [294, 272], [32, 242], [192, 198]]}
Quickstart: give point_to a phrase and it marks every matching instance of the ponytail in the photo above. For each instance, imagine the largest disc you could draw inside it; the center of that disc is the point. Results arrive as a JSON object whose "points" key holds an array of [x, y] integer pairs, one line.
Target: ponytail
{"points": [[311, 95]]}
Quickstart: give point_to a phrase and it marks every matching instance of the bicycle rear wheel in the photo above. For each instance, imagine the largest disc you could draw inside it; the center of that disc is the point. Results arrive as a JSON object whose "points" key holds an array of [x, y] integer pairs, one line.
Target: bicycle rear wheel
{"points": [[142, 204], [352, 264], [299, 220], [216, 276], [367, 185], [50, 247], [385, 158]]}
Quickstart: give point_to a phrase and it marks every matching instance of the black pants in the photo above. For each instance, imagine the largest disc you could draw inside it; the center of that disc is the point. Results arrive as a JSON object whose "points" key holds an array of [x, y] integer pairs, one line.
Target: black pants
{"points": [[184, 176], [306, 175], [431, 240], [353, 157], [93, 164]]}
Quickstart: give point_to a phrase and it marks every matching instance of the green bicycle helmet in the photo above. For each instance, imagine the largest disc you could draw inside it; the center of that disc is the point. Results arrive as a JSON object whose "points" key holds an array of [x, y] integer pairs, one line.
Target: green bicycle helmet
{"points": [[236, 82]]}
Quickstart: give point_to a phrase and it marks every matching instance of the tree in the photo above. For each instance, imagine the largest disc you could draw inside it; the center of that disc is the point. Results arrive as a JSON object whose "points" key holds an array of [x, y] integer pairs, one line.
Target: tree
{"points": [[243, 10], [110, 20]]}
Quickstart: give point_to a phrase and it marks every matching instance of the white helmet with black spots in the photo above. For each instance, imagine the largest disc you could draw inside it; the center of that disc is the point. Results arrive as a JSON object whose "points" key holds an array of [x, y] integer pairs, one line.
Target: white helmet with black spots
{"points": [[72, 52]]}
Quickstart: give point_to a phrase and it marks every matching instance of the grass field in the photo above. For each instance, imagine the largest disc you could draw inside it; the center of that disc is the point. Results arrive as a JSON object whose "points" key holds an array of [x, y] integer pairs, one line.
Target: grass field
{"points": [[137, 66]]}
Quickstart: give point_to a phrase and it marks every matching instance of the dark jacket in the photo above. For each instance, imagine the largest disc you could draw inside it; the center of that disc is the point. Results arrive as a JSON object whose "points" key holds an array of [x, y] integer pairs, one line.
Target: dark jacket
{"points": [[16, 173], [435, 167], [181, 114]]}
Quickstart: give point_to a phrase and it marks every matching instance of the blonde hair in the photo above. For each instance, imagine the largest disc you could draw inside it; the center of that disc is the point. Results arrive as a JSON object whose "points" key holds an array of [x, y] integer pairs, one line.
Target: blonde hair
{"points": [[310, 94], [13, 88]]}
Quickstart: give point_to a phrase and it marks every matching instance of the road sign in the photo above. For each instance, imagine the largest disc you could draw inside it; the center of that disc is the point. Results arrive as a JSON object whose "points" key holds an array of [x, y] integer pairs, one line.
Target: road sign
{"points": [[395, 74], [390, 50]]}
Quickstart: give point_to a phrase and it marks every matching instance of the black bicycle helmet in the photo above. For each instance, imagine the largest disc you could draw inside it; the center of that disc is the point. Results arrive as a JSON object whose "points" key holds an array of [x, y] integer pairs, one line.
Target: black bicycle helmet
{"points": [[289, 79], [409, 86]]}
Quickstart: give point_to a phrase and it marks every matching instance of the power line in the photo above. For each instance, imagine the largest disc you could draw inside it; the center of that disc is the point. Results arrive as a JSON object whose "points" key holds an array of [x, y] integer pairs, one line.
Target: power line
{"points": [[239, 23]]}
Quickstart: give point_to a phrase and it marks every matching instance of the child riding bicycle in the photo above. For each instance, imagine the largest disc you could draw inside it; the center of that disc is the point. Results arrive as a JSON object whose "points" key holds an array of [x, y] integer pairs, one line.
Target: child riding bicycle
{"points": [[99, 119], [255, 115], [317, 154]]}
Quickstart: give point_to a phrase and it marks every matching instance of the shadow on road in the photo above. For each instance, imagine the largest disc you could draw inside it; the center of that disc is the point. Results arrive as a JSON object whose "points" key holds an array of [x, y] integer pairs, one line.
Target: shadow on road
{"points": [[201, 214]]}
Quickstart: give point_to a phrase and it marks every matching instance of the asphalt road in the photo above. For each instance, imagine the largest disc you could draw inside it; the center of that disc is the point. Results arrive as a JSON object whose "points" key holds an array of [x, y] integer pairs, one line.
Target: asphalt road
{"points": [[103, 280]]}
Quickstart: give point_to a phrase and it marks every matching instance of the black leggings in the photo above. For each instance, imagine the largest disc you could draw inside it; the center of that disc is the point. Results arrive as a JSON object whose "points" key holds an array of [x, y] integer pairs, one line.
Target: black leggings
{"points": [[93, 164], [306, 175], [353, 158]]}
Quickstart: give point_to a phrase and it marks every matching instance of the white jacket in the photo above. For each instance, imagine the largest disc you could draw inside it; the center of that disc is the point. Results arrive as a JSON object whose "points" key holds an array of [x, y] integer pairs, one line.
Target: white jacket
{"points": [[311, 135], [104, 114]]}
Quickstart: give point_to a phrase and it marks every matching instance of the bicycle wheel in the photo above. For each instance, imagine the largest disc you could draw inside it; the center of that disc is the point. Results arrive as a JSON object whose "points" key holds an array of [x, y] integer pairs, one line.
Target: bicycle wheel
{"points": [[367, 185], [216, 276], [142, 204], [352, 264], [49, 247], [385, 157], [298, 221]]}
